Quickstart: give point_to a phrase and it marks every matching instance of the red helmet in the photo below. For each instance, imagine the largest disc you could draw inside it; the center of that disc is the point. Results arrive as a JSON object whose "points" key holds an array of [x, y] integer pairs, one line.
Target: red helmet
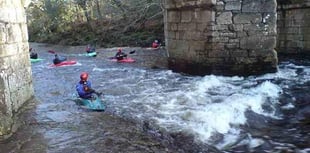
{"points": [[84, 76]]}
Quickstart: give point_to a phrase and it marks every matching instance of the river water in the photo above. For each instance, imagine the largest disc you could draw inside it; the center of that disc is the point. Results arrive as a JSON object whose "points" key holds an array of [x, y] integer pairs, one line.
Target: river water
{"points": [[162, 111]]}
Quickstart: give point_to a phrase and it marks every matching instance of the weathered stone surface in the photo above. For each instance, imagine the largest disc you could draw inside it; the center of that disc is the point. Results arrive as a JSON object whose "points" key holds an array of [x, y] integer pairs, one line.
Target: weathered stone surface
{"points": [[258, 42], [224, 18], [233, 5], [259, 6], [248, 18], [225, 31], [172, 4], [15, 70], [294, 29]]}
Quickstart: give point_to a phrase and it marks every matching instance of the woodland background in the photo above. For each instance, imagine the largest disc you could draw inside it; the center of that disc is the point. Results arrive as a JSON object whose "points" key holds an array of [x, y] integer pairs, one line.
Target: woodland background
{"points": [[102, 23]]}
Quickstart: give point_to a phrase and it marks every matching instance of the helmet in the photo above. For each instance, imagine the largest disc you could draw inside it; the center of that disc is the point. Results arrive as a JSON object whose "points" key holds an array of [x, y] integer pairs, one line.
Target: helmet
{"points": [[156, 41], [84, 76], [119, 50]]}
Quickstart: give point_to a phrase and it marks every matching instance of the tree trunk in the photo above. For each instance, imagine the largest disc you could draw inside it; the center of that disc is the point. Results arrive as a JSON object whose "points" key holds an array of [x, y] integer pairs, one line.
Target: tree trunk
{"points": [[98, 9]]}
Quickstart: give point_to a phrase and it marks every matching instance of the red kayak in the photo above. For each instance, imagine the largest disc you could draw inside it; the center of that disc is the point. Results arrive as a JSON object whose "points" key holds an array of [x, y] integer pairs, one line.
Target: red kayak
{"points": [[64, 63], [125, 60]]}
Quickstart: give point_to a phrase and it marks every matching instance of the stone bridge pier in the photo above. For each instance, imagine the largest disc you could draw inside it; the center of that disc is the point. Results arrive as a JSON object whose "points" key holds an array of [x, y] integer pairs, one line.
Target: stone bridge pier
{"points": [[15, 69], [225, 37]]}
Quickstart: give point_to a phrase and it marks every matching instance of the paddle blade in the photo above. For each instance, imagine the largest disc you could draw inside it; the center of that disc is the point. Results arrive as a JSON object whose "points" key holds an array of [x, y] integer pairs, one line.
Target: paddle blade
{"points": [[51, 51], [132, 52]]}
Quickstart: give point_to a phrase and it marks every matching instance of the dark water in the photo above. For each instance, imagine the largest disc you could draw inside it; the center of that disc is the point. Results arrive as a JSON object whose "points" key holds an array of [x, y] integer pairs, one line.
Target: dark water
{"points": [[156, 110]]}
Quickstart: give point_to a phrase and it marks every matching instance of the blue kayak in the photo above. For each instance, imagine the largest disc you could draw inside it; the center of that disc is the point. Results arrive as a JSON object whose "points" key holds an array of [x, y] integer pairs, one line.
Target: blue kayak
{"points": [[92, 54], [93, 104]]}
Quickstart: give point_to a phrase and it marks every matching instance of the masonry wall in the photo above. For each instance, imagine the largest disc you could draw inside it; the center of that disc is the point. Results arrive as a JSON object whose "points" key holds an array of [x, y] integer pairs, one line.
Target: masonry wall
{"points": [[226, 37], [294, 28], [15, 71]]}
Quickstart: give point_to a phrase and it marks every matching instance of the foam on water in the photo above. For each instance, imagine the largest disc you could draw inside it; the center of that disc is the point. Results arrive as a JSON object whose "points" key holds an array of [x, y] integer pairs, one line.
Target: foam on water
{"points": [[206, 107], [209, 105]]}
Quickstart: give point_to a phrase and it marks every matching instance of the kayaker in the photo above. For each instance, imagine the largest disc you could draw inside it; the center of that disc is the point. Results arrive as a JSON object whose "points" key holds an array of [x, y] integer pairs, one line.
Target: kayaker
{"points": [[90, 49], [33, 55], [120, 55], [156, 44], [84, 87], [58, 59]]}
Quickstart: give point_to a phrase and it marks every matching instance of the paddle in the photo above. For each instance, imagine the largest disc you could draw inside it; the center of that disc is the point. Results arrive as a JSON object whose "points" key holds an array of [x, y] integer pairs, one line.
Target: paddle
{"points": [[132, 52], [51, 51], [98, 93]]}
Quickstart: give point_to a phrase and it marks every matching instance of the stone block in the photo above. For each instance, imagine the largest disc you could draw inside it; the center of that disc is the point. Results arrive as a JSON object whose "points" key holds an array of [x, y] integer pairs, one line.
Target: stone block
{"points": [[247, 18], [233, 41], [233, 5], [252, 27], [218, 53], [186, 16], [241, 34], [174, 16], [169, 4], [173, 27], [259, 6], [193, 35], [24, 32], [239, 53], [197, 46], [14, 33], [258, 42], [224, 18], [222, 27], [187, 26], [228, 34], [220, 39], [205, 2], [231, 46], [202, 27], [171, 35], [235, 27], [204, 16], [182, 47], [9, 50], [3, 32]]}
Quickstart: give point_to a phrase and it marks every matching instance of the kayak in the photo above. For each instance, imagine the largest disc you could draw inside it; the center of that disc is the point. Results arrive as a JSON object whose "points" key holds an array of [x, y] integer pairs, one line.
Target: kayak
{"points": [[125, 60], [64, 63], [92, 54], [92, 104], [32, 60]]}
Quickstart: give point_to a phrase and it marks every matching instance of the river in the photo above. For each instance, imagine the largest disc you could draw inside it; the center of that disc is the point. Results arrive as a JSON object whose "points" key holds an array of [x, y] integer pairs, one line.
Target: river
{"points": [[157, 110]]}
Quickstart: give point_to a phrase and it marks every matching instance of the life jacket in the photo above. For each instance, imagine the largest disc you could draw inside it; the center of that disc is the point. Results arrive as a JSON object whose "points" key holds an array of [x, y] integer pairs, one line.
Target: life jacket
{"points": [[155, 45], [33, 55], [80, 88], [58, 59]]}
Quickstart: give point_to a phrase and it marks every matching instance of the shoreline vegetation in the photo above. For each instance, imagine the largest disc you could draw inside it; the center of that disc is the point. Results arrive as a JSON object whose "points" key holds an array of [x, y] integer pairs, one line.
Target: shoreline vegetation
{"points": [[99, 23]]}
